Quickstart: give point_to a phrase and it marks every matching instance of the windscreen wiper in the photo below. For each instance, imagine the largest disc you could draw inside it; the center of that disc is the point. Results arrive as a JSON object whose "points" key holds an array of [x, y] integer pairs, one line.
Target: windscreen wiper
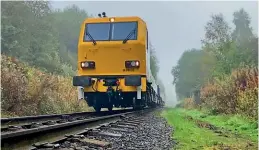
{"points": [[92, 39], [129, 35]]}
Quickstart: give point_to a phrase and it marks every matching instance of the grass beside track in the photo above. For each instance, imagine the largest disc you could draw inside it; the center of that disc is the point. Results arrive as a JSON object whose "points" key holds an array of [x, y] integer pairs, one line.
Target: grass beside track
{"points": [[198, 130]]}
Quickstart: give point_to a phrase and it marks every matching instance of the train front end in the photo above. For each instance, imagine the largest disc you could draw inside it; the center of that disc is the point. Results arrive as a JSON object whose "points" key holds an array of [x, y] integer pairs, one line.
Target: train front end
{"points": [[112, 62]]}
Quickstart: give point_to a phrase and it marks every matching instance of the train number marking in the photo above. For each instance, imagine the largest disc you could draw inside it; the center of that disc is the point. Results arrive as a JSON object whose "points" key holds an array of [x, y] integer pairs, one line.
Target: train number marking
{"points": [[129, 69]]}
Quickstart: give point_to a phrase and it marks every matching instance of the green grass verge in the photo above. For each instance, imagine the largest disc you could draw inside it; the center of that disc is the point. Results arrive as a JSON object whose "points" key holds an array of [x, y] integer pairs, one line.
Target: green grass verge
{"points": [[190, 136], [235, 123]]}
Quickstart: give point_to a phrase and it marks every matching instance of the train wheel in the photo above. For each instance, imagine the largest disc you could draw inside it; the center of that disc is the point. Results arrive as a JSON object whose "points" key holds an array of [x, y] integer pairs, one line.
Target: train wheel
{"points": [[96, 105], [97, 108], [110, 106], [136, 104]]}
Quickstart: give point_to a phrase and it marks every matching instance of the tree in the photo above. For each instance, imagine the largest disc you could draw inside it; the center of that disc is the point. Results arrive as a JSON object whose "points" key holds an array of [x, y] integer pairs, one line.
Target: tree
{"points": [[217, 31], [230, 49], [243, 31], [40, 36], [38, 8], [162, 88], [68, 23], [246, 41], [153, 61], [218, 42], [222, 51], [14, 28], [192, 70]]}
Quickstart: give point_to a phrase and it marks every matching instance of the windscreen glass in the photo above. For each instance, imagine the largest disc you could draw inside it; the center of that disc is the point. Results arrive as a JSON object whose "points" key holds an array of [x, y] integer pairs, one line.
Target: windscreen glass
{"points": [[117, 31]]}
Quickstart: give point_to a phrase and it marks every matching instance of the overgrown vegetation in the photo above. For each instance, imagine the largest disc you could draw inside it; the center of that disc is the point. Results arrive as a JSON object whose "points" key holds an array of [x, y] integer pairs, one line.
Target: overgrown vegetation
{"points": [[224, 69], [28, 91], [197, 130], [40, 36], [44, 41], [236, 93]]}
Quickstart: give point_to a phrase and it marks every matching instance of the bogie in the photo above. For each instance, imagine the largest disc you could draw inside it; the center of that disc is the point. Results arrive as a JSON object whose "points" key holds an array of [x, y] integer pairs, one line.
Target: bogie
{"points": [[127, 99]]}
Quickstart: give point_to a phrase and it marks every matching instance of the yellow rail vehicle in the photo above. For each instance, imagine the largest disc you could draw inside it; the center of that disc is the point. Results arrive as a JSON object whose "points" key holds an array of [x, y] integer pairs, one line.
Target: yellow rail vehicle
{"points": [[113, 63]]}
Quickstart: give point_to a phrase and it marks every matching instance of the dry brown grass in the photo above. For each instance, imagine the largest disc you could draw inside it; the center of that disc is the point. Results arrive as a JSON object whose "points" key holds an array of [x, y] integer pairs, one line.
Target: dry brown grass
{"points": [[237, 93], [28, 91], [188, 103]]}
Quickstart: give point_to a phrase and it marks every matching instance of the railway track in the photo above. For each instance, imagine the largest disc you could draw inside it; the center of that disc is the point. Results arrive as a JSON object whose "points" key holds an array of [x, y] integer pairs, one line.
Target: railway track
{"points": [[19, 121], [42, 131]]}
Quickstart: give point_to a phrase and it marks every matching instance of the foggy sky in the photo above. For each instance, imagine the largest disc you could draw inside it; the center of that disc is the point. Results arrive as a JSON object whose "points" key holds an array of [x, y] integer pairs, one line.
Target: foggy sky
{"points": [[173, 26]]}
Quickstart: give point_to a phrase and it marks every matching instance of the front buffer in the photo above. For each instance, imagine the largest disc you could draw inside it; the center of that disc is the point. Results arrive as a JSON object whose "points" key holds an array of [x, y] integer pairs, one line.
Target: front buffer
{"points": [[112, 91]]}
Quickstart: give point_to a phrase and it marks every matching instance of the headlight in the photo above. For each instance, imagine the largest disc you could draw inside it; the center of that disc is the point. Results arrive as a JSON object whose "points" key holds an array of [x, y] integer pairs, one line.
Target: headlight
{"points": [[112, 19], [137, 63], [88, 64], [84, 64], [132, 64]]}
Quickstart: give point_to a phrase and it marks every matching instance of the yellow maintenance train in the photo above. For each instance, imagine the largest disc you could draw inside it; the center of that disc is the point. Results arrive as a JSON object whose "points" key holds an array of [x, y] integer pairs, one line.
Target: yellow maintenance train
{"points": [[114, 64]]}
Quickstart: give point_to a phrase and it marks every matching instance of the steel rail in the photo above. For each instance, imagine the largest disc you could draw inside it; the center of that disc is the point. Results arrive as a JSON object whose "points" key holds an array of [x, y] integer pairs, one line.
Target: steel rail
{"points": [[28, 119], [48, 132], [51, 127]]}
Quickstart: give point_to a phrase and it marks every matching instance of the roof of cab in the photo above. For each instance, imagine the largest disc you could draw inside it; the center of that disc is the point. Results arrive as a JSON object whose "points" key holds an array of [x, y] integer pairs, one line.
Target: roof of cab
{"points": [[107, 19]]}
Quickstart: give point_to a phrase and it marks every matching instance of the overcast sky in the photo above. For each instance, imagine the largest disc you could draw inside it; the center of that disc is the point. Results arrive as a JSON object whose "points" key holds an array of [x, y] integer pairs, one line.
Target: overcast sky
{"points": [[173, 26]]}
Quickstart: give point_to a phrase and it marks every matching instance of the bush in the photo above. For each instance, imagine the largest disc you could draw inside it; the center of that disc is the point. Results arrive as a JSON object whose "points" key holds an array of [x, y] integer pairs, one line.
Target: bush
{"points": [[28, 91], [237, 93], [179, 105], [247, 85], [188, 103]]}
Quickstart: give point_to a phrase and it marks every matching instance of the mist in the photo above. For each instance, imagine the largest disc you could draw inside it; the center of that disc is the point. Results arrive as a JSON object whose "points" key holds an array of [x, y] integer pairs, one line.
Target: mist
{"points": [[173, 26]]}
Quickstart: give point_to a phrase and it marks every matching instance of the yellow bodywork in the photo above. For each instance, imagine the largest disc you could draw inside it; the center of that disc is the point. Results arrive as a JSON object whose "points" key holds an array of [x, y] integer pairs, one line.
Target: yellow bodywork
{"points": [[122, 86], [110, 56]]}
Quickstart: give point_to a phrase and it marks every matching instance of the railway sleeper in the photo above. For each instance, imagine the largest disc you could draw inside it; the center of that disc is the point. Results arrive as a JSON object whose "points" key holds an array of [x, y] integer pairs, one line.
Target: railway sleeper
{"points": [[129, 124], [80, 118], [75, 136], [46, 145], [133, 122], [103, 133], [117, 129], [62, 121], [138, 119], [94, 142], [123, 126], [50, 122], [13, 128]]}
